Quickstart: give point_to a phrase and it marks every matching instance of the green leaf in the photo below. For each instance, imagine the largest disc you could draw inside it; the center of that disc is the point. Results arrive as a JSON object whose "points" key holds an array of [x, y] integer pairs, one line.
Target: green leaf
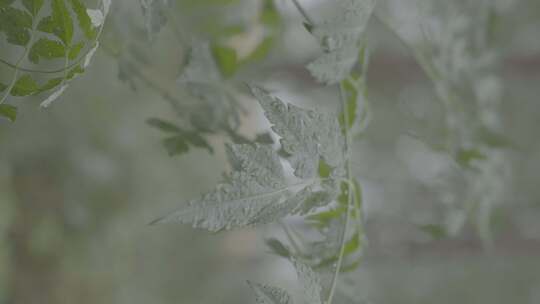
{"points": [[8, 111], [51, 84], [85, 23], [269, 295], [59, 23], [340, 38], [46, 48], [33, 6], [226, 59], [307, 136], [25, 86], [257, 181], [75, 50], [2, 87], [16, 25]]}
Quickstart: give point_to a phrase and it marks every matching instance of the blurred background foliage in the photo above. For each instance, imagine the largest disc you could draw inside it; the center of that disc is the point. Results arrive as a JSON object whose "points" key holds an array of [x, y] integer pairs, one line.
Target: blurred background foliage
{"points": [[80, 181]]}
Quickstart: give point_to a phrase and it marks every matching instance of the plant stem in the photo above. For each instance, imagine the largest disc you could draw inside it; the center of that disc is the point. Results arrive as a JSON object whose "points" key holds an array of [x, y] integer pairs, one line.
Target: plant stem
{"points": [[349, 200], [302, 11]]}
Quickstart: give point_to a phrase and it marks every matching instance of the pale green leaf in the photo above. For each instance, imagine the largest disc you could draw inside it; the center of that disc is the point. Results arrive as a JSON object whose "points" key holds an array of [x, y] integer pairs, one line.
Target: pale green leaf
{"points": [[307, 136], [309, 282], [269, 295], [256, 181], [226, 59]]}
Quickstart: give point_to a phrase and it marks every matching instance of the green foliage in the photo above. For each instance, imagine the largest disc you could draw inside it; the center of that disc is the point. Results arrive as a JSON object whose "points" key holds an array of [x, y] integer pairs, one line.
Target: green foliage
{"points": [[179, 140], [47, 39]]}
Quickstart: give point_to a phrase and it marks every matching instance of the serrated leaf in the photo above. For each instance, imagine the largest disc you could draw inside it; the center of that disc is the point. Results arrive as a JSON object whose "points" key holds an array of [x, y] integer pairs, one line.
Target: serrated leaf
{"points": [[269, 295], [24, 86], [16, 25], [340, 38], [33, 6], [333, 67], [307, 136], [310, 282], [85, 23], [46, 48], [256, 181], [8, 111]]}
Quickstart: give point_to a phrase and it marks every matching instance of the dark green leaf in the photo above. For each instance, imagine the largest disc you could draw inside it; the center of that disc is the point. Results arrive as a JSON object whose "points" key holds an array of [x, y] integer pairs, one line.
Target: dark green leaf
{"points": [[46, 48], [25, 86], [16, 25], [8, 111]]}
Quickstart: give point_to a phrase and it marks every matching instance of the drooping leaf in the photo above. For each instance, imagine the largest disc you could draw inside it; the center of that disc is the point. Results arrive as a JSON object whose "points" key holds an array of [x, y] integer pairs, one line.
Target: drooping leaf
{"points": [[340, 38], [8, 111], [24, 86], [46, 48], [85, 23], [16, 25], [269, 295], [307, 136]]}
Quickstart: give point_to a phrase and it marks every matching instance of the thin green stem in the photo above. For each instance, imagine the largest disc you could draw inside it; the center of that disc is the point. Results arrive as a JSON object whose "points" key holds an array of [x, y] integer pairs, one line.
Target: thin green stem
{"points": [[348, 169], [302, 11]]}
